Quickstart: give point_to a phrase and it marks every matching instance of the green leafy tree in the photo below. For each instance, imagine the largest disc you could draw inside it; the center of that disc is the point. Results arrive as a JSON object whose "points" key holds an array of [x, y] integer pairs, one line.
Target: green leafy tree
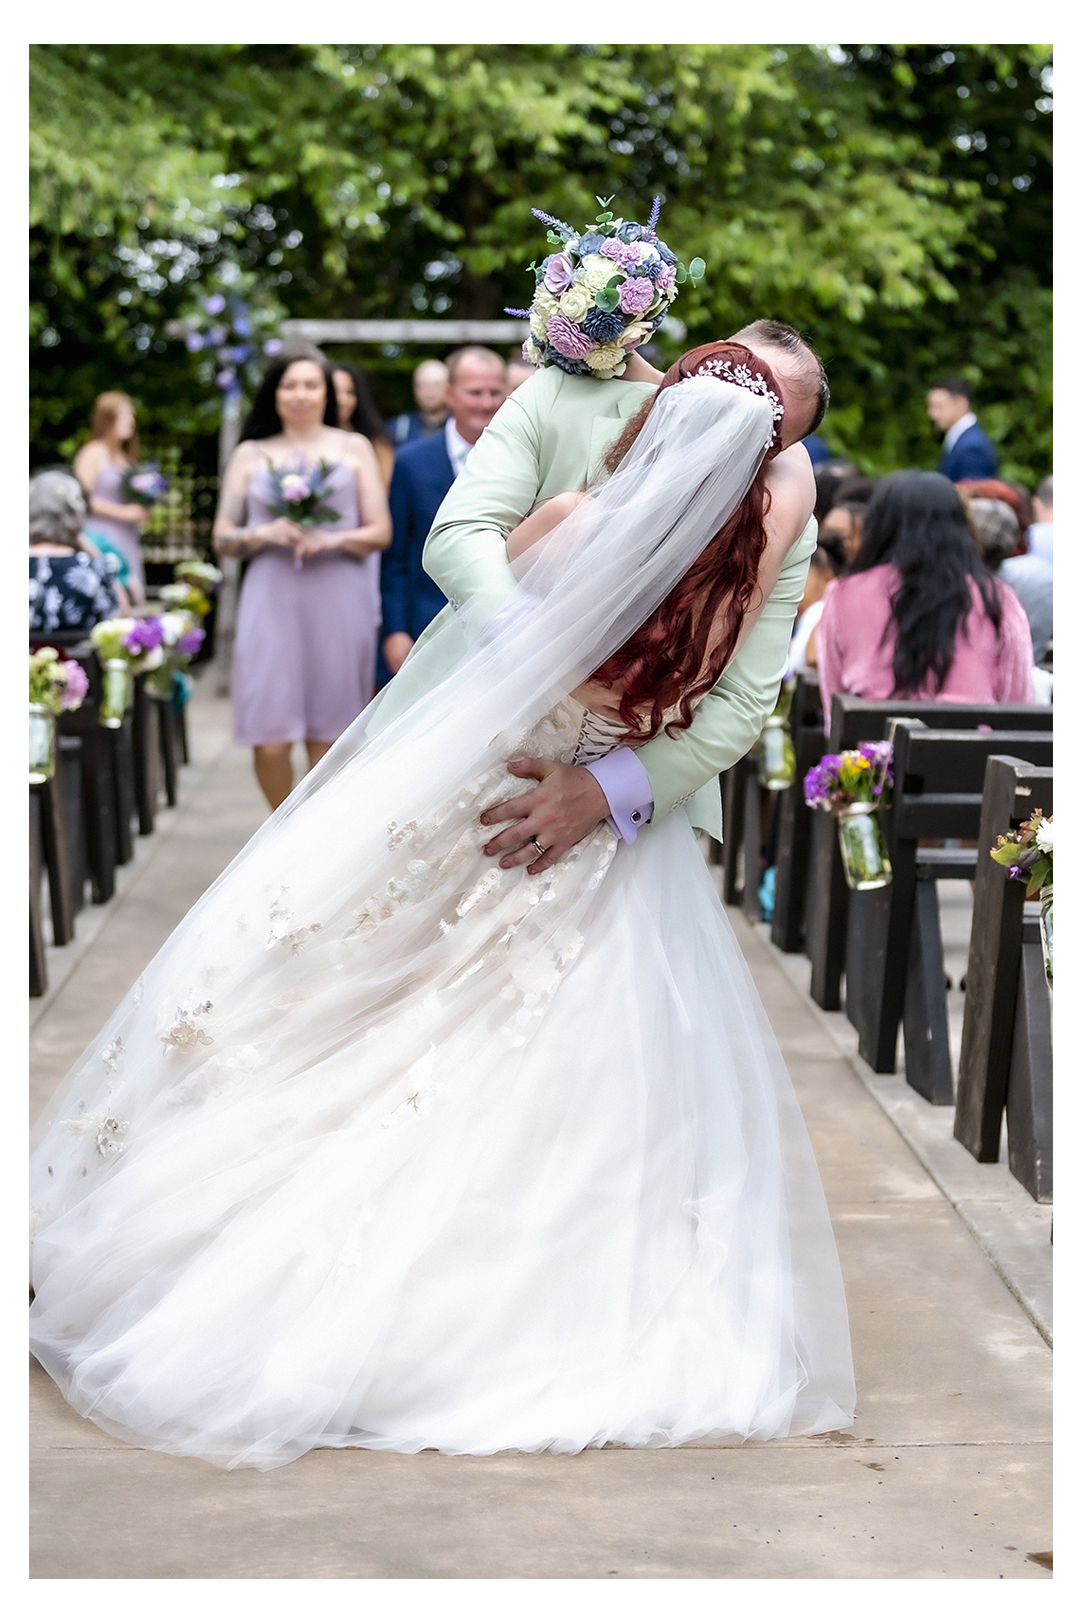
{"points": [[892, 201]]}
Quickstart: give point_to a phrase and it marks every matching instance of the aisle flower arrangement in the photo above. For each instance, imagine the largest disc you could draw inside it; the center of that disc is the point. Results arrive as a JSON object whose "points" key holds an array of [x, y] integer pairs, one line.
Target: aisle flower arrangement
{"points": [[1029, 857], [194, 585], [602, 293], [126, 648], [851, 786], [56, 684]]}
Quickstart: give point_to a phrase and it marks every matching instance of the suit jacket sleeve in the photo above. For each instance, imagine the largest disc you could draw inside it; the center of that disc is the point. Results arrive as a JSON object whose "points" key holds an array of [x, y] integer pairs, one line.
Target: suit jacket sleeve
{"points": [[394, 562], [465, 553], [728, 720]]}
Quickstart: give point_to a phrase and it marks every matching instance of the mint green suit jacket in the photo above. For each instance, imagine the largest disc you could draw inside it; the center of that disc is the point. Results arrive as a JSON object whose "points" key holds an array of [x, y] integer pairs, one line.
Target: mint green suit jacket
{"points": [[548, 437]]}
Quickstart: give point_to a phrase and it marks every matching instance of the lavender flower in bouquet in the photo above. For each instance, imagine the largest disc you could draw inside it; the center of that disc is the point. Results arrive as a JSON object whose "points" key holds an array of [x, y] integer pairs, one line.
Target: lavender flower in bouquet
{"points": [[146, 485]]}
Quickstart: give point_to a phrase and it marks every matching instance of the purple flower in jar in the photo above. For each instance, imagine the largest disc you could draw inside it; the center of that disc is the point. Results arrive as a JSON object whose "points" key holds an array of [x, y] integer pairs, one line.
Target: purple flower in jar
{"points": [[76, 686], [558, 273], [189, 643], [144, 636]]}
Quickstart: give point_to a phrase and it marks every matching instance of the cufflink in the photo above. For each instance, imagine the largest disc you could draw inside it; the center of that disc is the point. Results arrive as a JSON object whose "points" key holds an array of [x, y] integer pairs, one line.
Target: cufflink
{"points": [[636, 817]]}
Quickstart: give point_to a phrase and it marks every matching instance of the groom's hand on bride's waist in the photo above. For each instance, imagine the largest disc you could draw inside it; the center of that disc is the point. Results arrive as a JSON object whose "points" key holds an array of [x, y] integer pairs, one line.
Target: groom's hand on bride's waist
{"points": [[565, 807]]}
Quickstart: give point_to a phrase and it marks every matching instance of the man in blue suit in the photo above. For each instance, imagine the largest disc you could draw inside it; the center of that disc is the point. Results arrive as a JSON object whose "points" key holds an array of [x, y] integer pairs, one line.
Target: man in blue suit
{"points": [[423, 473], [967, 452]]}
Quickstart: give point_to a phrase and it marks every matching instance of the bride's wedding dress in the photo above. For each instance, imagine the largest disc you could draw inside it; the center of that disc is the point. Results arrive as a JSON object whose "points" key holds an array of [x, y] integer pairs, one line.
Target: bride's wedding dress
{"points": [[390, 1147]]}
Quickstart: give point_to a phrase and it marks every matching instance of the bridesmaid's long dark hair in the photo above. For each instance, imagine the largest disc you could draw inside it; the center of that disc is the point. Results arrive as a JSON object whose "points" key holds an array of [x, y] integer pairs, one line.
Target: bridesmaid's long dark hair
{"points": [[263, 421], [916, 521]]}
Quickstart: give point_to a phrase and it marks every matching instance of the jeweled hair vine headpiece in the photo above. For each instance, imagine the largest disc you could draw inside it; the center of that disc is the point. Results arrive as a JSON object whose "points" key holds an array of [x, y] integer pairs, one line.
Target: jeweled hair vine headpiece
{"points": [[739, 372]]}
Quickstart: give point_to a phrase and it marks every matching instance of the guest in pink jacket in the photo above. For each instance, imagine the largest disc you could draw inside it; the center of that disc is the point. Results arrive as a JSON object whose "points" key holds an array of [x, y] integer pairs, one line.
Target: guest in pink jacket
{"points": [[919, 615]]}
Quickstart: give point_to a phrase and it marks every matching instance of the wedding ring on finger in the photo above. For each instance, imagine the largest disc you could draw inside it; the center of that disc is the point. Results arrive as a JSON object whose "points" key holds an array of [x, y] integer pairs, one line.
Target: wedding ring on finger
{"points": [[538, 846]]}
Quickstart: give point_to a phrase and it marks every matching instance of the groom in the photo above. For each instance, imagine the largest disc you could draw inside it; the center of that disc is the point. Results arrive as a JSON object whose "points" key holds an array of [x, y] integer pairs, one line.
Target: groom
{"points": [[547, 438]]}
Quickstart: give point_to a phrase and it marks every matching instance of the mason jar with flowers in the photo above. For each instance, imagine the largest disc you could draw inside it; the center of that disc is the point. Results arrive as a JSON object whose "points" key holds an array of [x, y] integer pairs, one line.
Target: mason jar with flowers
{"points": [[1029, 857], [56, 684], [126, 648], [851, 786]]}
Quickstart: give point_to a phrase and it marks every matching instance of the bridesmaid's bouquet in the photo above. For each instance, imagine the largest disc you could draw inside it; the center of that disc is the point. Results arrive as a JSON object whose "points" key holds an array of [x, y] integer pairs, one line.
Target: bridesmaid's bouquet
{"points": [[301, 494], [145, 485]]}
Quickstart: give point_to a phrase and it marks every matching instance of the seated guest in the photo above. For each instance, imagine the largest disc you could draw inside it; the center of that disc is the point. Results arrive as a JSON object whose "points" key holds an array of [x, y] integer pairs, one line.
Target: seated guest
{"points": [[828, 477], [919, 615], [827, 564], [843, 525], [997, 535], [72, 587]]}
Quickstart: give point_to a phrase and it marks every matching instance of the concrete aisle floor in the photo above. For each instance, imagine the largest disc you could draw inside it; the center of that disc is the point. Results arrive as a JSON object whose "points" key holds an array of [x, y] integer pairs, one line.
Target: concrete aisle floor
{"points": [[946, 1472]]}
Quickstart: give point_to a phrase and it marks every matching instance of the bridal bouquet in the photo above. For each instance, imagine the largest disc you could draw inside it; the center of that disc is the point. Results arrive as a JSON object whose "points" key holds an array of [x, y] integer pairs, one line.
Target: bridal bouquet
{"points": [[602, 294], [146, 485], [850, 786], [56, 683]]}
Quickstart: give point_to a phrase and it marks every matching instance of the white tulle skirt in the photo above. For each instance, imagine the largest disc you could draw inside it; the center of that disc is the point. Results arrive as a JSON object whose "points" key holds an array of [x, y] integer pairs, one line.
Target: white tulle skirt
{"points": [[476, 1161]]}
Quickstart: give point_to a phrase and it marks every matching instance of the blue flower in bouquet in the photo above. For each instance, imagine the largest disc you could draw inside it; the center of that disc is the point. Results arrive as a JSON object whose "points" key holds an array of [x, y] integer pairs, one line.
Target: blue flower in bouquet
{"points": [[602, 293]]}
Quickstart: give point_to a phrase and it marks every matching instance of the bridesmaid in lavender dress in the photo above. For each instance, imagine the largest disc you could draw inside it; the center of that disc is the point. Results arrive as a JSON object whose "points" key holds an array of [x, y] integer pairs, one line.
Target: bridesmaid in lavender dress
{"points": [[308, 619], [100, 466]]}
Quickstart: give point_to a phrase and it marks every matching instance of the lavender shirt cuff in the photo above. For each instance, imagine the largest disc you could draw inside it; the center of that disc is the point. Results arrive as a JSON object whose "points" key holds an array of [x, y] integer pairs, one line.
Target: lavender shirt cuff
{"points": [[626, 786]]}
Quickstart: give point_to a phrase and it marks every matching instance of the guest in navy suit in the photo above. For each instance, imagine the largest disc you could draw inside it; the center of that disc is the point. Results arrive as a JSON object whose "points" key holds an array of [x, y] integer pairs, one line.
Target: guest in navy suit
{"points": [[423, 473], [966, 452]]}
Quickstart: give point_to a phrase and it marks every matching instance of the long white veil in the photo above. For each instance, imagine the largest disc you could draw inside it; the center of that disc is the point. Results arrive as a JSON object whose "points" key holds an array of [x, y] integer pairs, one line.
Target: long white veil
{"points": [[585, 590]]}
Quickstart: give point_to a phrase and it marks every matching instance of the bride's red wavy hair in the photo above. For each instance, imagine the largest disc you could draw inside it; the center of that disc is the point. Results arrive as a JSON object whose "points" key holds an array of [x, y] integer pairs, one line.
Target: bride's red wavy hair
{"points": [[667, 660]]}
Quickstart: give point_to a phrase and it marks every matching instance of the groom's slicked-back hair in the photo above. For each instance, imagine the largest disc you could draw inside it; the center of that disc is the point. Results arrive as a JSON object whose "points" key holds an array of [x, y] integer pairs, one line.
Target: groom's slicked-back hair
{"points": [[808, 370]]}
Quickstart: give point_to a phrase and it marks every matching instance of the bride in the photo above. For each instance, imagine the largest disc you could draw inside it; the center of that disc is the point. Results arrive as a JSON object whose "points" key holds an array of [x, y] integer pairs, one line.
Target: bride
{"points": [[392, 1147]]}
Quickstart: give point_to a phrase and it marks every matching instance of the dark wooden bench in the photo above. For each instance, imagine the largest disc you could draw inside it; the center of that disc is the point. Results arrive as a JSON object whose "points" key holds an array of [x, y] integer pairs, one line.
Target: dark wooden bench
{"points": [[852, 721], [894, 961], [1006, 1054], [795, 818]]}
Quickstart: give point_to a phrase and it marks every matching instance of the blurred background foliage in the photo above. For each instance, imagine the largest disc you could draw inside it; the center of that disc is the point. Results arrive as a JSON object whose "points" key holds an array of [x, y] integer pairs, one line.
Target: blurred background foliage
{"points": [[892, 201]]}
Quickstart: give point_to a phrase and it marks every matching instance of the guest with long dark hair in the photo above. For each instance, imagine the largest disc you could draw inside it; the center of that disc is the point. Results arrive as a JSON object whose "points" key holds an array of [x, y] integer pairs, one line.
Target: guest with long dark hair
{"points": [[919, 615], [308, 618], [358, 413]]}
